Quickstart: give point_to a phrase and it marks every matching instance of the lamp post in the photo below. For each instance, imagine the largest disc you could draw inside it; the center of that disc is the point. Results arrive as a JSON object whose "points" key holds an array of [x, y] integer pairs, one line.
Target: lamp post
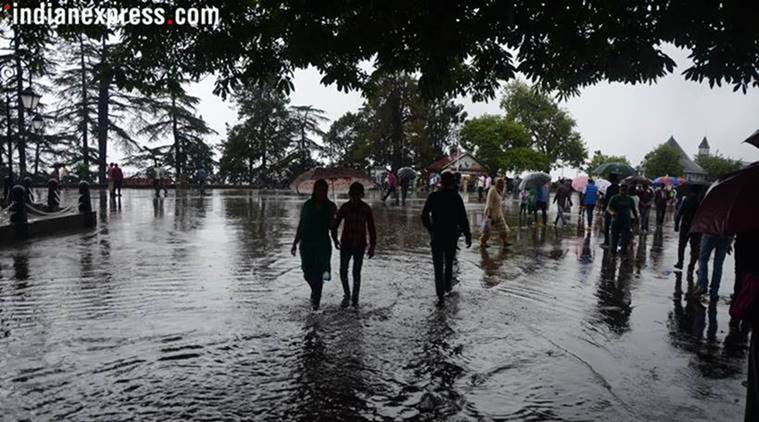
{"points": [[29, 100]]}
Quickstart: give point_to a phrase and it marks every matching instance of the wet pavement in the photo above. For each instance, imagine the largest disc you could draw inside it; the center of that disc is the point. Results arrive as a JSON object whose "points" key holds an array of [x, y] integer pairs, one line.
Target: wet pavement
{"points": [[192, 307]]}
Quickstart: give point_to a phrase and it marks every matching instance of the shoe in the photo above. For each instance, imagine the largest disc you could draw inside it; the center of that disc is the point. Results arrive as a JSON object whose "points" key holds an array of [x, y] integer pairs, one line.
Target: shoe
{"points": [[346, 301], [355, 303], [679, 266]]}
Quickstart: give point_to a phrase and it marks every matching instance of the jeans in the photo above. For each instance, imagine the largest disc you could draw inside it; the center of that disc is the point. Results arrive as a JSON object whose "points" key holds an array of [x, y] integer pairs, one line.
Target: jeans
{"points": [[346, 253], [316, 282], [390, 191], [685, 238], [645, 214], [443, 254], [404, 189], [719, 245], [589, 209], [620, 236], [542, 207], [607, 227], [660, 210]]}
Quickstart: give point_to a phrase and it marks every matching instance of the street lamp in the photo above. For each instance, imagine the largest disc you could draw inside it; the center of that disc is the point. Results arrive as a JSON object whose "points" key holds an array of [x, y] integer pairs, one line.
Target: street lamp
{"points": [[37, 123], [30, 99]]}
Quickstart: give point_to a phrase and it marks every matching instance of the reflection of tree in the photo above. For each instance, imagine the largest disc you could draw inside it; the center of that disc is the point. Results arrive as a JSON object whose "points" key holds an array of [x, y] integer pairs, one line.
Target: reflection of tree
{"points": [[21, 268]]}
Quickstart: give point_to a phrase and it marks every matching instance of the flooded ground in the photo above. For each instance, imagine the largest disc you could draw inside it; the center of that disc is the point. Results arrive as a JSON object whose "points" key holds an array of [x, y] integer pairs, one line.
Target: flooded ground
{"points": [[192, 307]]}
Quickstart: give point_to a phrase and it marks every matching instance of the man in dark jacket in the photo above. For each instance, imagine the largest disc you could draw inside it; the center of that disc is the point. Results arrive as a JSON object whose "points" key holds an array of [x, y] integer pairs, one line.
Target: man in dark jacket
{"points": [[660, 200], [683, 219], [612, 190], [445, 218]]}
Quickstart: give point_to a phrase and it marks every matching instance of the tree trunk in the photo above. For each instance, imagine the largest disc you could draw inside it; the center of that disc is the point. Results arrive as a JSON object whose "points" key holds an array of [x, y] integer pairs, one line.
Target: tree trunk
{"points": [[37, 158], [9, 126], [103, 101], [20, 106], [85, 115], [175, 132], [396, 135]]}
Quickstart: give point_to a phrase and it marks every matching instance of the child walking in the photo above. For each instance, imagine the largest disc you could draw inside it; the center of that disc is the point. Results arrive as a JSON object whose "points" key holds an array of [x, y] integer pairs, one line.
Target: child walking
{"points": [[359, 219]]}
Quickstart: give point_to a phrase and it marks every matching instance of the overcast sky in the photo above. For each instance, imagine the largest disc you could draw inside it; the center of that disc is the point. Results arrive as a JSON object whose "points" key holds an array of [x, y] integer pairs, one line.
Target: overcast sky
{"points": [[615, 118]]}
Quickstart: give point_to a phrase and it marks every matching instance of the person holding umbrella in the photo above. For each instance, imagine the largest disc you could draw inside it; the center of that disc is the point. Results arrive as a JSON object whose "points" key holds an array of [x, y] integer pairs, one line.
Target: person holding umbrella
{"points": [[683, 219], [444, 216], [316, 222], [611, 191], [589, 200]]}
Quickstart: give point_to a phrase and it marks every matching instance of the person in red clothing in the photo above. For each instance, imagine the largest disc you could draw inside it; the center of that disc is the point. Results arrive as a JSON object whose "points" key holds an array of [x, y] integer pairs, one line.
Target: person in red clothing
{"points": [[358, 219], [392, 186], [118, 179]]}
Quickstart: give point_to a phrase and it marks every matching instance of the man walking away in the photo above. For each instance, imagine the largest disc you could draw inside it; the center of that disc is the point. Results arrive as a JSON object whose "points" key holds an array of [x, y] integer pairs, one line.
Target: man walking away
{"points": [[721, 247], [158, 175], [405, 184], [541, 203], [201, 177], [621, 208], [445, 218], [118, 179], [612, 190], [563, 201], [589, 200], [660, 201], [358, 219], [646, 196], [683, 218]]}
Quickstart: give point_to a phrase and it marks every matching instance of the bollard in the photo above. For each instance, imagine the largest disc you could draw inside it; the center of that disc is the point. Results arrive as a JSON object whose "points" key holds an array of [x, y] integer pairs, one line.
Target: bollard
{"points": [[17, 211], [53, 197]]}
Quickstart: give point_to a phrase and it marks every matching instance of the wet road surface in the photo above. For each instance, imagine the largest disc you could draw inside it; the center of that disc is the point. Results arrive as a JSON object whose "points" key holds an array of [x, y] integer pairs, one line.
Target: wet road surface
{"points": [[192, 307]]}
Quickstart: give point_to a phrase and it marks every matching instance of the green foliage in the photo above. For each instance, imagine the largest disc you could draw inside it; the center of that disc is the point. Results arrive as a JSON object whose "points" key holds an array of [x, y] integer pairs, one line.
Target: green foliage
{"points": [[663, 161], [717, 165], [396, 127], [501, 144], [600, 158], [551, 129]]}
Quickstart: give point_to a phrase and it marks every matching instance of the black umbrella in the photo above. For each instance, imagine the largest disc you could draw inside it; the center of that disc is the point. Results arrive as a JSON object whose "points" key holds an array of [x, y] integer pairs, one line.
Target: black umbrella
{"points": [[753, 139], [637, 179]]}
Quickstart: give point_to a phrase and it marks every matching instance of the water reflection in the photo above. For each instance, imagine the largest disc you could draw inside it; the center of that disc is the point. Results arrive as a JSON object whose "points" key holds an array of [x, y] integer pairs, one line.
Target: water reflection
{"points": [[614, 302]]}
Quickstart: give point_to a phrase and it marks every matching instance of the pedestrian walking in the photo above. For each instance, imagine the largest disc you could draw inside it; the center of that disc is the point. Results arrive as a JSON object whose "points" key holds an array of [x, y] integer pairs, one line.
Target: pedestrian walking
{"points": [[481, 188], [201, 177], [541, 203], [494, 217], [111, 179], [359, 220], [612, 190], [118, 179], [524, 199], [589, 200], [646, 196], [392, 186], [313, 234], [660, 202], [720, 245], [158, 176], [683, 219], [621, 209], [444, 216], [563, 201]]}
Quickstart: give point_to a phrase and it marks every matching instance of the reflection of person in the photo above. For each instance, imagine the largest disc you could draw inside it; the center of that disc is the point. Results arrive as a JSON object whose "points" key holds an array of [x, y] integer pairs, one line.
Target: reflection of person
{"points": [[316, 221], [158, 175], [445, 218], [494, 212], [621, 208], [358, 219], [201, 176]]}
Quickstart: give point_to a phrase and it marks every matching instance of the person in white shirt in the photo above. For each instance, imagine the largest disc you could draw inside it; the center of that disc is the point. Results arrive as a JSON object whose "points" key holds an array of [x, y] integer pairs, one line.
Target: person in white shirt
{"points": [[480, 187]]}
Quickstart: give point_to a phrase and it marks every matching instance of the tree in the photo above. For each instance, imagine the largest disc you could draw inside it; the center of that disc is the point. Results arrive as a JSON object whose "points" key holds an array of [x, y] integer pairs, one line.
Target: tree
{"points": [[600, 158], [551, 129], [260, 140], [663, 161], [344, 143], [501, 144], [717, 165], [561, 47]]}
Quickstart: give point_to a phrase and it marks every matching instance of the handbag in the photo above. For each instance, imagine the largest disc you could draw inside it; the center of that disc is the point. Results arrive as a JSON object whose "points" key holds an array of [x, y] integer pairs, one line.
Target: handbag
{"points": [[744, 304], [486, 225]]}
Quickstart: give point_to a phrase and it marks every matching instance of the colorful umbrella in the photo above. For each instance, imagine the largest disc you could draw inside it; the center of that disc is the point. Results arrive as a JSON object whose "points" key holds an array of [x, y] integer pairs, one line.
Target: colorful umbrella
{"points": [[731, 204], [753, 139], [669, 181], [534, 180], [621, 169], [339, 179], [579, 183]]}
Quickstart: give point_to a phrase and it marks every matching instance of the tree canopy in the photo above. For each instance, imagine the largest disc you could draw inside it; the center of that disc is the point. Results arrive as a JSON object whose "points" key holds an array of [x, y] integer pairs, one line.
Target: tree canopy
{"points": [[501, 144], [716, 165], [600, 158], [663, 161]]}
